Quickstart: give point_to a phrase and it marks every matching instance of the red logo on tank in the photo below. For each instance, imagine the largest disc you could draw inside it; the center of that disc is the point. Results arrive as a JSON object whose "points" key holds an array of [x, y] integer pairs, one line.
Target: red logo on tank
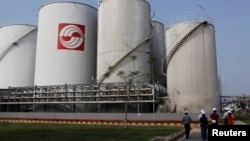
{"points": [[71, 36]]}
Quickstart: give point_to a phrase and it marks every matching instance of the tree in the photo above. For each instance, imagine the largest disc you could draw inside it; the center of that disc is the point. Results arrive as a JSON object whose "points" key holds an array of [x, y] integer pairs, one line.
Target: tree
{"points": [[128, 79]]}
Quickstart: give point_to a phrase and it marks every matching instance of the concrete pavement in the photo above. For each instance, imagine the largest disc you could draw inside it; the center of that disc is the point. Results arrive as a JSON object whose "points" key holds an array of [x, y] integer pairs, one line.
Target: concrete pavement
{"points": [[195, 134]]}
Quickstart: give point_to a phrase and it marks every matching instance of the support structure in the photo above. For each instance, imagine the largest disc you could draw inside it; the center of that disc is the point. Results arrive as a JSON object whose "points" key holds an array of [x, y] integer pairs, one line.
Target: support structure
{"points": [[105, 93]]}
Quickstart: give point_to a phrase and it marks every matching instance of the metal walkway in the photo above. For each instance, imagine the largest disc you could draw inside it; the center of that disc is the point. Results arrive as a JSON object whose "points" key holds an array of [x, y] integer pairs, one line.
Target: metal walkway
{"points": [[114, 93]]}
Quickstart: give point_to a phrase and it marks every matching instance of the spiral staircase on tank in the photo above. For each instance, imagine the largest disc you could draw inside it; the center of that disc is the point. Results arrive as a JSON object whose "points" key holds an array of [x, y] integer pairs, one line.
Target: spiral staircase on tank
{"points": [[68, 96], [13, 43], [182, 38], [179, 41], [114, 66]]}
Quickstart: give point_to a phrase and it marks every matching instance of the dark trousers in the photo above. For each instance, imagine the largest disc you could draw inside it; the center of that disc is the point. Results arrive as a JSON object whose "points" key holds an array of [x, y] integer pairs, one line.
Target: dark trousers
{"points": [[204, 132], [187, 130]]}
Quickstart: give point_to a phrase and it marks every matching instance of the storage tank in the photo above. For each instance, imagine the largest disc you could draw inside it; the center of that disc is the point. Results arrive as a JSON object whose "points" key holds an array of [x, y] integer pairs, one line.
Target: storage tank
{"points": [[159, 52], [17, 55], [66, 44], [192, 76], [124, 33]]}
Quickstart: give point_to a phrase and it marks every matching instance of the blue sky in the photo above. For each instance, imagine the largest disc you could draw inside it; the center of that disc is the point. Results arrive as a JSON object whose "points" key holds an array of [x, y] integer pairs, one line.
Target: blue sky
{"points": [[231, 21]]}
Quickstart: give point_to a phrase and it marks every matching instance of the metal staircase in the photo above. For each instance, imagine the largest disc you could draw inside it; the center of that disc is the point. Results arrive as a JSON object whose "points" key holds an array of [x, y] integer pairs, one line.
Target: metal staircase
{"points": [[13, 43], [112, 67], [183, 38]]}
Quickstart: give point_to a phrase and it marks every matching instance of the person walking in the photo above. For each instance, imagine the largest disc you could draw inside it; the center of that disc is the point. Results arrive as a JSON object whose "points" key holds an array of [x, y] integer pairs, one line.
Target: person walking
{"points": [[229, 118], [225, 115], [214, 117], [187, 124], [199, 116], [203, 125]]}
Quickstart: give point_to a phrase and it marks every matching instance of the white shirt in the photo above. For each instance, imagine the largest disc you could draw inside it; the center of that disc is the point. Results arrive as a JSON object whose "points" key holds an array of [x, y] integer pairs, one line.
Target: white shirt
{"points": [[199, 116]]}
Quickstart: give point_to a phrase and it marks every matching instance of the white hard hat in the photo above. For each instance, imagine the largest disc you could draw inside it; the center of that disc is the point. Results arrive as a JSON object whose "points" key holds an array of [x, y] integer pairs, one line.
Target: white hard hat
{"points": [[202, 110], [186, 111], [229, 112], [214, 109]]}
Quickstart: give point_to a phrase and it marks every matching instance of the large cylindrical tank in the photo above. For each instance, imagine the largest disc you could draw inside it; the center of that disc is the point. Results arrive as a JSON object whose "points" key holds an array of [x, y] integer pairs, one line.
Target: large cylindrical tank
{"points": [[66, 44], [124, 33], [159, 51], [17, 55], [192, 77]]}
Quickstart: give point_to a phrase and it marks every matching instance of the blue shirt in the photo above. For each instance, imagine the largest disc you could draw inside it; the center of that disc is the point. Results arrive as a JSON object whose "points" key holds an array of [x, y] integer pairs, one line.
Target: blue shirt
{"points": [[186, 119]]}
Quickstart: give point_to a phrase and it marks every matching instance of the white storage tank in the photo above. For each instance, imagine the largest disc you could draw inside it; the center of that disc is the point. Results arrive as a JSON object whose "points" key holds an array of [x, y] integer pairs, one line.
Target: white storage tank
{"points": [[17, 55], [66, 44], [192, 77], [159, 51], [124, 33]]}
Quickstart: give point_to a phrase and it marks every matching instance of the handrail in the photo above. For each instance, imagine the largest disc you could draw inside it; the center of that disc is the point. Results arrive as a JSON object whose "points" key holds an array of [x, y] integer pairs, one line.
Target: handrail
{"points": [[192, 18], [178, 44], [13, 43], [112, 67]]}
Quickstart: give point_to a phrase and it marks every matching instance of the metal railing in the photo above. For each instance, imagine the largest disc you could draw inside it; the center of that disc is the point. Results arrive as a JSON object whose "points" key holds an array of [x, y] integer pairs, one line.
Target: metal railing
{"points": [[105, 93]]}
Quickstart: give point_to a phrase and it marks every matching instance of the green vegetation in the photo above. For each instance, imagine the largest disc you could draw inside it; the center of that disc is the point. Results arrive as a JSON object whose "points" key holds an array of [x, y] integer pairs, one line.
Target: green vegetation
{"points": [[244, 117], [10, 131], [246, 121]]}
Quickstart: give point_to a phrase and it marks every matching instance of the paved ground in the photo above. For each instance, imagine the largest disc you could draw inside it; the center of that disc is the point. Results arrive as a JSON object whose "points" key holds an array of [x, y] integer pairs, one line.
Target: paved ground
{"points": [[195, 134]]}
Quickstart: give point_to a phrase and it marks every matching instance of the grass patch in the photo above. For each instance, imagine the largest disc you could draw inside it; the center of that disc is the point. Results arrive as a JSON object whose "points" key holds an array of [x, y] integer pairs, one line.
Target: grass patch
{"points": [[10, 131], [246, 121]]}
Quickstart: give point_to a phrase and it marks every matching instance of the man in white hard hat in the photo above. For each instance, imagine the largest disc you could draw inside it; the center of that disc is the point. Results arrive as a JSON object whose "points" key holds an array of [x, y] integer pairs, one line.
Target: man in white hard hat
{"points": [[226, 113], [203, 125], [199, 116], [214, 117], [187, 123]]}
